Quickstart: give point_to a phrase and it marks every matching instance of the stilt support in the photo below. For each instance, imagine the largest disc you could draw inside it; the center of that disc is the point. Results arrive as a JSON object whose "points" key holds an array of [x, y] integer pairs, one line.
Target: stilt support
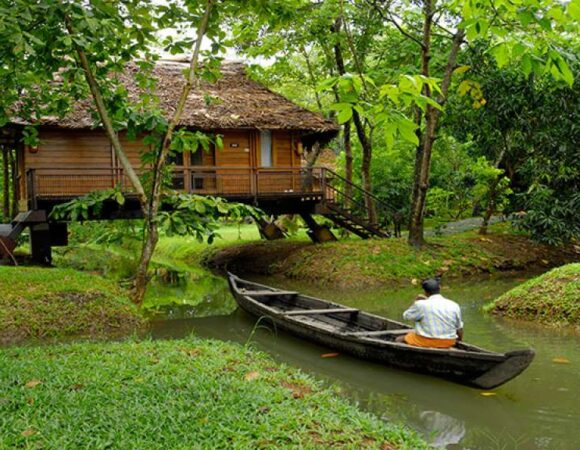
{"points": [[269, 230], [317, 233], [40, 245]]}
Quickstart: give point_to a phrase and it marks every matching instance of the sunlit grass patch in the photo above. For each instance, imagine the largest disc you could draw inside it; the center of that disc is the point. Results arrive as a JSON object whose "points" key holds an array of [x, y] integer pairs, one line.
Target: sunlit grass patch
{"points": [[175, 394], [45, 303], [552, 298]]}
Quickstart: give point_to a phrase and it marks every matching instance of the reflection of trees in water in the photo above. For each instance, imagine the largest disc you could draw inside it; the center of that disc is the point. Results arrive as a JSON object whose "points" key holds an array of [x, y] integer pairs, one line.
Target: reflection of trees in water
{"points": [[440, 429], [181, 295]]}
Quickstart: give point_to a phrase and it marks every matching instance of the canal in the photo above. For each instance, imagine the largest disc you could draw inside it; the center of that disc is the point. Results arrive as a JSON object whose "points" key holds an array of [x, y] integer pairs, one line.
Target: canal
{"points": [[537, 410]]}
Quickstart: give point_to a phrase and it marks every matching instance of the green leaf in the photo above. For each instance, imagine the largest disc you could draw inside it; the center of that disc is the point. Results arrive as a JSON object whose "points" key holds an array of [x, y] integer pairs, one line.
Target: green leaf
{"points": [[501, 54], [574, 9], [344, 115], [407, 129], [526, 64], [461, 69]]}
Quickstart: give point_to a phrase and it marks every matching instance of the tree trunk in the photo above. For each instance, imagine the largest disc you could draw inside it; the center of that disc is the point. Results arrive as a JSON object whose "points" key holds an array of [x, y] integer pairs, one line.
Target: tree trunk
{"points": [[367, 152], [490, 207], [5, 183], [14, 182], [151, 236], [493, 188], [431, 120], [364, 139], [348, 165], [149, 205], [141, 280]]}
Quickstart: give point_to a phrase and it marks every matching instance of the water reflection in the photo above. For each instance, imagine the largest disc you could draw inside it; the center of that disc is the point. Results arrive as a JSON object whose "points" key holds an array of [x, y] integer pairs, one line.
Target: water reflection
{"points": [[179, 294], [537, 410], [443, 430]]}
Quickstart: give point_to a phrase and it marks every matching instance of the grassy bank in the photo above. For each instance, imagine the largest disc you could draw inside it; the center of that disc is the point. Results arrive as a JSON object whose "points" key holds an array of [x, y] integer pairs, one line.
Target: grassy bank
{"points": [[359, 263], [45, 303], [175, 394], [552, 298]]}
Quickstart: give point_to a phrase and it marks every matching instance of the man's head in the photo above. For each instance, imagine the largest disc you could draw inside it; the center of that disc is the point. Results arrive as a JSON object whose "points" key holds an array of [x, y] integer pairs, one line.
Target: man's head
{"points": [[431, 286]]}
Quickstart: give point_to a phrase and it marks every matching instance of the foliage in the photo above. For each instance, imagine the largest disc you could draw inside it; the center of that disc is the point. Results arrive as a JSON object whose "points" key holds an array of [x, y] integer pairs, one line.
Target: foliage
{"points": [[196, 393], [529, 127], [46, 303], [87, 206], [549, 218], [551, 298], [198, 216], [181, 214], [490, 186]]}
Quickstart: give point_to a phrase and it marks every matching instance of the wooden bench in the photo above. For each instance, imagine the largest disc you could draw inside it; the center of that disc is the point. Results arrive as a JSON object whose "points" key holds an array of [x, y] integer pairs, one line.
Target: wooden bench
{"points": [[379, 332], [304, 312], [262, 293]]}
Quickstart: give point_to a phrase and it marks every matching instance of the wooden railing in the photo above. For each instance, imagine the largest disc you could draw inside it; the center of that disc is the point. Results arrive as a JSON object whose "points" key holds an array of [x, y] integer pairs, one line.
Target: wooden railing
{"points": [[340, 196], [221, 181], [351, 200]]}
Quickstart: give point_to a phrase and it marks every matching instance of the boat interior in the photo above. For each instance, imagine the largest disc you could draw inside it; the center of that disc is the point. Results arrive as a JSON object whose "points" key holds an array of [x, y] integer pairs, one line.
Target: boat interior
{"points": [[329, 316]]}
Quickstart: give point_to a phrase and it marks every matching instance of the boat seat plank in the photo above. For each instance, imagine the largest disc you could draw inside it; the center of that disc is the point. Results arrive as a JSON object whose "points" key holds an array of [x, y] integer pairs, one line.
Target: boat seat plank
{"points": [[300, 312], [260, 293], [379, 332]]}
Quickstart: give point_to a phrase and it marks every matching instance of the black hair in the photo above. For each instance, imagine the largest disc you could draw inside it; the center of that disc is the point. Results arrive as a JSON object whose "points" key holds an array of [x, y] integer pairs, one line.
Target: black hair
{"points": [[431, 286]]}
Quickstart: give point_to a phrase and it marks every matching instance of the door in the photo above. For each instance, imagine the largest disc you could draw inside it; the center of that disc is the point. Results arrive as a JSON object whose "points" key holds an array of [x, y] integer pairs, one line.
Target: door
{"points": [[234, 164]]}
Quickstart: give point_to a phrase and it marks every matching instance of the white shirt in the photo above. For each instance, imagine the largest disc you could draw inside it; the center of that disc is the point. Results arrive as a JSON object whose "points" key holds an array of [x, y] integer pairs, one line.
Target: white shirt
{"points": [[435, 317]]}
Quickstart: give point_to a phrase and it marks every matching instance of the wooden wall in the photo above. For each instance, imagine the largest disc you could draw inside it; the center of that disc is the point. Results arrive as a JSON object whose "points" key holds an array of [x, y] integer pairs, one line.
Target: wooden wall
{"points": [[69, 149], [61, 151]]}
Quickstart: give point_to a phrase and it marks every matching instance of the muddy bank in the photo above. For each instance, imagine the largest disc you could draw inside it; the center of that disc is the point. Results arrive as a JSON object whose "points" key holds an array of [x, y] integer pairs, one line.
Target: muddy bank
{"points": [[372, 263]]}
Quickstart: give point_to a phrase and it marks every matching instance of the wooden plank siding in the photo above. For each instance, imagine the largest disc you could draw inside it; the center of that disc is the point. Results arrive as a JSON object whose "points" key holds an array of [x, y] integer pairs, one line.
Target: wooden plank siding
{"points": [[61, 153], [76, 162]]}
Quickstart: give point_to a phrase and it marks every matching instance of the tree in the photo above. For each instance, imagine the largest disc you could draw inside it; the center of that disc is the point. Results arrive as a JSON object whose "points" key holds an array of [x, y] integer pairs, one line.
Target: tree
{"points": [[528, 128], [526, 31], [95, 41]]}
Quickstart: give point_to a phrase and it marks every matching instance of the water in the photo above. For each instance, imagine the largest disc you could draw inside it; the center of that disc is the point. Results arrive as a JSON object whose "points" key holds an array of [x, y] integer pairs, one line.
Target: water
{"points": [[537, 410]]}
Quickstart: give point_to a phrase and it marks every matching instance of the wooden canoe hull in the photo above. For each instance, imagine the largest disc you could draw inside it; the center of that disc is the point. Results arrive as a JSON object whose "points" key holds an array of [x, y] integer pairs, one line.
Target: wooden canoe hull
{"points": [[476, 367]]}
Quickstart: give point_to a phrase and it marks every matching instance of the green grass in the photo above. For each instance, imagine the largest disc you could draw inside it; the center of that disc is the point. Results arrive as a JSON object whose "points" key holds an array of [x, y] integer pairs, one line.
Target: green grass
{"points": [[374, 262], [552, 298], [45, 303], [175, 394]]}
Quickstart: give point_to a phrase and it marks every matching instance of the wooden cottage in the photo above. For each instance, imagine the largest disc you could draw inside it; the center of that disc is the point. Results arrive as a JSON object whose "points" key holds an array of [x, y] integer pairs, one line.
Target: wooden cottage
{"points": [[264, 136]]}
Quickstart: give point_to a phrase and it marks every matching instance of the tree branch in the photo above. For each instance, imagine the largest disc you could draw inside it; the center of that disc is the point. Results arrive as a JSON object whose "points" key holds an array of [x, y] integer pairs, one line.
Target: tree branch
{"points": [[106, 119]]}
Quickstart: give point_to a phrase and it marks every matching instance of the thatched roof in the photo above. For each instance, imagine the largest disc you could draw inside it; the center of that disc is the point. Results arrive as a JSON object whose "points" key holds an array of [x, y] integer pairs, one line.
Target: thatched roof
{"points": [[237, 103]]}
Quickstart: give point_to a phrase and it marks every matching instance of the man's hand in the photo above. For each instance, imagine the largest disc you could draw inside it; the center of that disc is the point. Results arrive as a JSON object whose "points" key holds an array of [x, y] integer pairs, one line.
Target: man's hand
{"points": [[460, 335]]}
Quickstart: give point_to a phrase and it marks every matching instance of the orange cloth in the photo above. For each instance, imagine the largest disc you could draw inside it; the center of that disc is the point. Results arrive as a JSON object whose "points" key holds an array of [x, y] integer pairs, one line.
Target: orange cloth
{"points": [[422, 341]]}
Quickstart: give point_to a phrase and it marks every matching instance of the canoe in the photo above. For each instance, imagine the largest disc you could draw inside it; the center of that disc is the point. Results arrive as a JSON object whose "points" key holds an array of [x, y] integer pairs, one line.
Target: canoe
{"points": [[371, 337]]}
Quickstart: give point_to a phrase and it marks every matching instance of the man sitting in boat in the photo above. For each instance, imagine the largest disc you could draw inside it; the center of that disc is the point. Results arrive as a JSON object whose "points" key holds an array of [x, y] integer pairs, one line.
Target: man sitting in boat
{"points": [[437, 319]]}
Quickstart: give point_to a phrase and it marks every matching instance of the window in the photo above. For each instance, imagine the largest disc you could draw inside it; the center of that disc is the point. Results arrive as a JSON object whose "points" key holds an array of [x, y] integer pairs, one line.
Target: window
{"points": [[266, 148]]}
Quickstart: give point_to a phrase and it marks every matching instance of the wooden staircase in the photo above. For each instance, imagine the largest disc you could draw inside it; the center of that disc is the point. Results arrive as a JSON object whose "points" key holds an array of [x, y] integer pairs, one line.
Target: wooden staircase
{"points": [[346, 207]]}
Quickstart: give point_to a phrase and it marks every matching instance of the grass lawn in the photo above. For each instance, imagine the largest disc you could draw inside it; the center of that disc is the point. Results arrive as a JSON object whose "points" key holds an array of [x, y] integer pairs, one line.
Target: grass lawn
{"points": [[44, 303], [552, 298], [358, 263], [175, 394]]}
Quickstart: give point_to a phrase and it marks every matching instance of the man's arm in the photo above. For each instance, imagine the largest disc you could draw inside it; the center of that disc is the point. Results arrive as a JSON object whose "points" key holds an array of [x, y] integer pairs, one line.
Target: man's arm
{"points": [[414, 313], [459, 325]]}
